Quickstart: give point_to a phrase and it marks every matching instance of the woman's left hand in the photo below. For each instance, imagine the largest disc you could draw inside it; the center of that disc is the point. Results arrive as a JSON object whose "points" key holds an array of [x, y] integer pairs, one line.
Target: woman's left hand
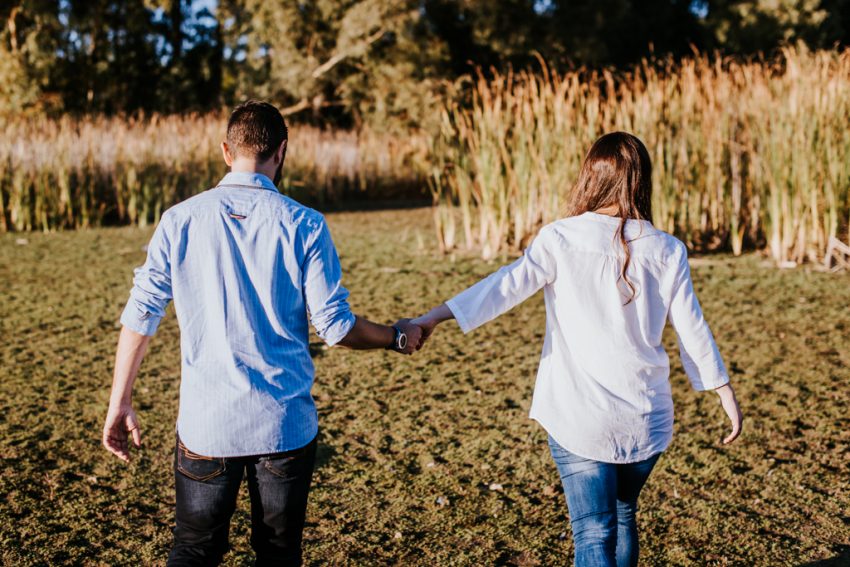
{"points": [[730, 406]]}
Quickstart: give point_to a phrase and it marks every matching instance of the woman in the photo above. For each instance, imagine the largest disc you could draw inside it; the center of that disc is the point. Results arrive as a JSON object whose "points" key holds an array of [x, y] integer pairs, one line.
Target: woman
{"points": [[611, 280]]}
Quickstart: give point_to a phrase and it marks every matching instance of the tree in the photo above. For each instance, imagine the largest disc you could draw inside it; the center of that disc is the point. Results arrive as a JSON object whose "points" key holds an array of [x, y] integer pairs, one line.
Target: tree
{"points": [[335, 57], [27, 47], [191, 55], [742, 26], [346, 62], [476, 35]]}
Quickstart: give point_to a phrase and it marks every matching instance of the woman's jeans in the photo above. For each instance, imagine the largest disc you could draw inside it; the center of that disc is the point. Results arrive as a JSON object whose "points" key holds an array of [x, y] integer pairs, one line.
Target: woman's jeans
{"points": [[602, 500], [207, 488]]}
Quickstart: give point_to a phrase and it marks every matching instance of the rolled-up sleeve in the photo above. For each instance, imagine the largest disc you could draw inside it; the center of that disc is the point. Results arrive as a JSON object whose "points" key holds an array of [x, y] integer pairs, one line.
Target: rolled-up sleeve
{"points": [[507, 287], [700, 356], [151, 286], [326, 298]]}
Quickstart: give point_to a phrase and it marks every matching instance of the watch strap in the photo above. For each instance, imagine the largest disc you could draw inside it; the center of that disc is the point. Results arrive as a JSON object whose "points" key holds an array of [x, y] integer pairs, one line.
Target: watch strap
{"points": [[396, 333]]}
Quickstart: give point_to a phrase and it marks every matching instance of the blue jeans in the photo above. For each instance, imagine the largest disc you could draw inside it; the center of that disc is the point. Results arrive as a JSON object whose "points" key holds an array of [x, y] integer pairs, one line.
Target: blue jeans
{"points": [[602, 500], [207, 488]]}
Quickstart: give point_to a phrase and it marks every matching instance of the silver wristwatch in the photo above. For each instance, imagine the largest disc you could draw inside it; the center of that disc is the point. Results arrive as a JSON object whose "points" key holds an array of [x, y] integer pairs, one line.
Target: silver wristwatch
{"points": [[399, 341]]}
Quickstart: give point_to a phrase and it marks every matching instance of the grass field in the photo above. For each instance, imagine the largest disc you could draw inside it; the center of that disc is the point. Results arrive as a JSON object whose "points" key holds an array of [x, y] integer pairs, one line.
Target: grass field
{"points": [[401, 435]]}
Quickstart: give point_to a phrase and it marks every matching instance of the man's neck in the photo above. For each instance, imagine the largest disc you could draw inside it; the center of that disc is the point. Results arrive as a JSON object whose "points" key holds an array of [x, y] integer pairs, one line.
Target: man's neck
{"points": [[250, 166]]}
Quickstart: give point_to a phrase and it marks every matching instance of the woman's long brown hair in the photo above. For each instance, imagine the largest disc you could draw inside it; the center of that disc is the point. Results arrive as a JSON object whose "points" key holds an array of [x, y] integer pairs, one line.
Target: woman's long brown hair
{"points": [[616, 172]]}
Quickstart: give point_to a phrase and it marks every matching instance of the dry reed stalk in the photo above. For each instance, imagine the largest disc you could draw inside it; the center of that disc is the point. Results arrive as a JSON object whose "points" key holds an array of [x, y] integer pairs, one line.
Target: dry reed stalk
{"points": [[746, 154], [70, 173]]}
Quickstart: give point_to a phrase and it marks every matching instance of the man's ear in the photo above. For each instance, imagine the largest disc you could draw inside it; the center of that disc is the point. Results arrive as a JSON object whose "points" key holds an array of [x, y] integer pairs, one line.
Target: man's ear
{"points": [[280, 154], [225, 152]]}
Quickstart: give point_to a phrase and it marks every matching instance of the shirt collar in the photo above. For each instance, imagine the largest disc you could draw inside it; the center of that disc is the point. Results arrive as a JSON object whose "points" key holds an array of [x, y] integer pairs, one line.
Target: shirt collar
{"points": [[246, 179]]}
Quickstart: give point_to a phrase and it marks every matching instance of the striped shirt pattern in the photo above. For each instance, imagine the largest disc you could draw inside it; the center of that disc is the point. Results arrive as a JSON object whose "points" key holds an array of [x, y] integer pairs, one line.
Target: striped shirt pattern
{"points": [[246, 267]]}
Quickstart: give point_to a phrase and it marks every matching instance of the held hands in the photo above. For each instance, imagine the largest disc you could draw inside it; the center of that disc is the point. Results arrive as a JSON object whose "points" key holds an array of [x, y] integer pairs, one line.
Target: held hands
{"points": [[419, 330], [430, 320], [414, 335]]}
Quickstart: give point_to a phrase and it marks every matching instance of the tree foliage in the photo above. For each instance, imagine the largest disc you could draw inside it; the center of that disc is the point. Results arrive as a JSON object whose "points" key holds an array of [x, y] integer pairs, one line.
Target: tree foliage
{"points": [[350, 61], [748, 26]]}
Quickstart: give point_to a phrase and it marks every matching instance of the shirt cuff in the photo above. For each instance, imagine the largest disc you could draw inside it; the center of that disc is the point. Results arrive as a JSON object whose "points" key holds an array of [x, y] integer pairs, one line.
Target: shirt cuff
{"points": [[459, 316], [139, 321], [703, 385], [337, 330]]}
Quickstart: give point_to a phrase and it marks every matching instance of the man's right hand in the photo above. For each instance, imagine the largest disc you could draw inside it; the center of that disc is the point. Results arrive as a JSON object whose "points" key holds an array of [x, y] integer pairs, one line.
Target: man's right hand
{"points": [[121, 424]]}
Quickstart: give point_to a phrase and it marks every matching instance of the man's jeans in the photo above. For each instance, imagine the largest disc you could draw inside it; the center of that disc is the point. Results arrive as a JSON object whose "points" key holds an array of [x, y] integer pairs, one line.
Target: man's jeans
{"points": [[602, 500], [206, 498]]}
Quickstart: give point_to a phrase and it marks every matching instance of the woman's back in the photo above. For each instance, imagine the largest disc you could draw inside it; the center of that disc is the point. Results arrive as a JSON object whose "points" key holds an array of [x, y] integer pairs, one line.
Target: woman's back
{"points": [[603, 391], [602, 386]]}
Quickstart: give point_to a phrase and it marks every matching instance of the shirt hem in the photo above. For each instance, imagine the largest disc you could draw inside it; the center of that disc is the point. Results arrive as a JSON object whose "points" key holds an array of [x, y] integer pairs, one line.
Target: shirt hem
{"points": [[280, 448], [635, 458]]}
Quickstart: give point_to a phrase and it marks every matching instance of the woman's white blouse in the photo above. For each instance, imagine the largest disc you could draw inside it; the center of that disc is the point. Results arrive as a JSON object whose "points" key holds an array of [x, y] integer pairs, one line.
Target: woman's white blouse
{"points": [[603, 388]]}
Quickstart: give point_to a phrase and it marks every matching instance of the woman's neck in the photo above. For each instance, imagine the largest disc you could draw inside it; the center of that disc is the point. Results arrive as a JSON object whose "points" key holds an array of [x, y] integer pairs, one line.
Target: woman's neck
{"points": [[610, 210]]}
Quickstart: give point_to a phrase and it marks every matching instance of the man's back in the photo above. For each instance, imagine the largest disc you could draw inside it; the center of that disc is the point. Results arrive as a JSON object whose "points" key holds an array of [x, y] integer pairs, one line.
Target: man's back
{"points": [[244, 264]]}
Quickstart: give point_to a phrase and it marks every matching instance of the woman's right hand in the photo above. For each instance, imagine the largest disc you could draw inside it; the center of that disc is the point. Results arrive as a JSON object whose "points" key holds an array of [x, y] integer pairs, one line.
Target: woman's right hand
{"points": [[730, 406]]}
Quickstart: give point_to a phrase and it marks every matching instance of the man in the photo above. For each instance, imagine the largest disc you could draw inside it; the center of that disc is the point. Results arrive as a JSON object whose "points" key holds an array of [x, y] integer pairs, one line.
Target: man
{"points": [[245, 266]]}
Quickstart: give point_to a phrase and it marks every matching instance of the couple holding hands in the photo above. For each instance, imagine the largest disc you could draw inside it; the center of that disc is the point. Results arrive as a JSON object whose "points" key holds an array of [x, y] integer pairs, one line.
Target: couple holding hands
{"points": [[249, 269]]}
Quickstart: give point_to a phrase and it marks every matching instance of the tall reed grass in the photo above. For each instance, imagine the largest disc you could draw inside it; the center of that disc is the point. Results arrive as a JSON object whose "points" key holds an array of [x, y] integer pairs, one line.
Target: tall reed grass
{"points": [[745, 154], [71, 173]]}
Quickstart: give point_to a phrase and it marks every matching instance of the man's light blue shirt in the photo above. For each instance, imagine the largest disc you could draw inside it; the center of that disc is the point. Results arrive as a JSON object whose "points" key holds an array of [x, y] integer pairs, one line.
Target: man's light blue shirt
{"points": [[245, 266]]}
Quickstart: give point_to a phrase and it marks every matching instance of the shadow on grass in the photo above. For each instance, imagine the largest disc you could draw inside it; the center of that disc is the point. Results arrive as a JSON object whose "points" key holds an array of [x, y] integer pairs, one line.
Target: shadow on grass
{"points": [[324, 453], [840, 560]]}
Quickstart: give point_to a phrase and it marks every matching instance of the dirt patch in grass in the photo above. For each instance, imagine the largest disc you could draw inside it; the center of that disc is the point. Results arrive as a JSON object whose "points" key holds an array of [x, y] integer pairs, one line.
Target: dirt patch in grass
{"points": [[410, 447]]}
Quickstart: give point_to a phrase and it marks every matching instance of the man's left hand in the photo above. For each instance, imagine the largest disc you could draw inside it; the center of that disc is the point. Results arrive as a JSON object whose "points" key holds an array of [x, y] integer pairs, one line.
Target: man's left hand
{"points": [[414, 335]]}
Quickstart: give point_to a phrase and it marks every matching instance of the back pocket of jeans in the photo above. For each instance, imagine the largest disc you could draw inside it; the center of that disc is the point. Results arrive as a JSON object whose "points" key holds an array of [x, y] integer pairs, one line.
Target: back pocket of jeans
{"points": [[198, 467], [284, 465]]}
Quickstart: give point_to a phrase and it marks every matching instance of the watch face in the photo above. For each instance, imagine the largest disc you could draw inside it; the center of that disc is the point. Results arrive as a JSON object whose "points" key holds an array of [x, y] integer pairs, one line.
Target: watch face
{"points": [[402, 341]]}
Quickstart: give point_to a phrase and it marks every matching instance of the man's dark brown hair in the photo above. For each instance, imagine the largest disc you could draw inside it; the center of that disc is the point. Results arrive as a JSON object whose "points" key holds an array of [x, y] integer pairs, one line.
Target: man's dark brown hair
{"points": [[257, 129]]}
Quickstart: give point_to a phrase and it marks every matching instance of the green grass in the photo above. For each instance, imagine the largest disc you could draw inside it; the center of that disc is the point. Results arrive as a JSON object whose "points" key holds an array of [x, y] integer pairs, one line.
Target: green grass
{"points": [[399, 432]]}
